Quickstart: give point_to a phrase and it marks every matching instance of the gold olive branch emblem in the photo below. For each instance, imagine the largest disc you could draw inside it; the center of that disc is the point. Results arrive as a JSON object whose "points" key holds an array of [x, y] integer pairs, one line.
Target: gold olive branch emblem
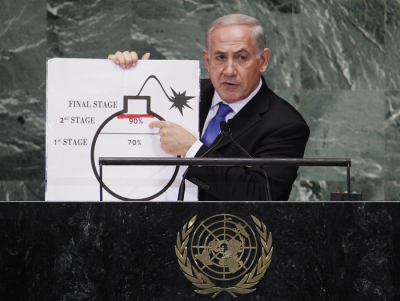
{"points": [[205, 285]]}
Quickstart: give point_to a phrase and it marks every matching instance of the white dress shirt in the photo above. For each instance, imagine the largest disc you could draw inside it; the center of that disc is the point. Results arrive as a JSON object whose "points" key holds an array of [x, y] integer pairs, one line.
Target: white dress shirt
{"points": [[235, 106]]}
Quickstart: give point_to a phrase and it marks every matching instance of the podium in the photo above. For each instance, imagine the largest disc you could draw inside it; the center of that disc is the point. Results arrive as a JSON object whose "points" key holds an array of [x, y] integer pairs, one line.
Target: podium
{"points": [[126, 251], [201, 251]]}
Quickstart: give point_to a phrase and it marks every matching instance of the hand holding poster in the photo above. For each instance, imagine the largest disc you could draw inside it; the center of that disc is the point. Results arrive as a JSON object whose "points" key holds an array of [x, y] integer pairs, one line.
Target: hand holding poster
{"points": [[96, 109]]}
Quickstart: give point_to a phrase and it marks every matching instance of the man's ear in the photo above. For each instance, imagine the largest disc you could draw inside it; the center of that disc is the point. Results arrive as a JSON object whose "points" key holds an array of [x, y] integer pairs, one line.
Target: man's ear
{"points": [[264, 59], [206, 60]]}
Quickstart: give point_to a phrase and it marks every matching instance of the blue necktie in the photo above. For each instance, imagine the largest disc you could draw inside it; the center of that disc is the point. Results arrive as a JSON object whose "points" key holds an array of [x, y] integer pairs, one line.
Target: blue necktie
{"points": [[213, 127]]}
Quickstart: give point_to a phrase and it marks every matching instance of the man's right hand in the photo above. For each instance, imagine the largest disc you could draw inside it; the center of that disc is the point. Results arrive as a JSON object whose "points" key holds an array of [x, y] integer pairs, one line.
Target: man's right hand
{"points": [[127, 59]]}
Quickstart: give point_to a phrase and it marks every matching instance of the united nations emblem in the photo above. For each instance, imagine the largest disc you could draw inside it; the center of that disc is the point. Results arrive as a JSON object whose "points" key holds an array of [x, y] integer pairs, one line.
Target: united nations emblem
{"points": [[224, 254]]}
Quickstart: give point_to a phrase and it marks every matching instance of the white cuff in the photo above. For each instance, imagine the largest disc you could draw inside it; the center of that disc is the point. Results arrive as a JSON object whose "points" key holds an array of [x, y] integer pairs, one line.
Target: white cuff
{"points": [[194, 149]]}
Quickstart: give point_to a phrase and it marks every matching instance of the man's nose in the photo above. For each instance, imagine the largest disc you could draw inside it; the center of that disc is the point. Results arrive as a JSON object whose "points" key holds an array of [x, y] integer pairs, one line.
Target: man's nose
{"points": [[230, 68]]}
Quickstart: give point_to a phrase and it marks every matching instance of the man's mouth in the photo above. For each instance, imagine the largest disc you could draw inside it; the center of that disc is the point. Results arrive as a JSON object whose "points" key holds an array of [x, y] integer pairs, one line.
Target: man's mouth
{"points": [[229, 84]]}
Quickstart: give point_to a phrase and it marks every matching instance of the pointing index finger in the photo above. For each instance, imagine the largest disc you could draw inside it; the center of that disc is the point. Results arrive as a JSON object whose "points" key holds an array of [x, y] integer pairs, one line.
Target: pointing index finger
{"points": [[157, 124]]}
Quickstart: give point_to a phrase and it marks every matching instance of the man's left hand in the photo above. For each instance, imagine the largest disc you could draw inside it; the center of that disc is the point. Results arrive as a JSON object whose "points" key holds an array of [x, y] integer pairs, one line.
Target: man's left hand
{"points": [[175, 140]]}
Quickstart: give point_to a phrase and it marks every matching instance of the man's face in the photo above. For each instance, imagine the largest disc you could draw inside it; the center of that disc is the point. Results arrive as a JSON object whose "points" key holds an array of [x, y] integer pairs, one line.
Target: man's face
{"points": [[232, 62]]}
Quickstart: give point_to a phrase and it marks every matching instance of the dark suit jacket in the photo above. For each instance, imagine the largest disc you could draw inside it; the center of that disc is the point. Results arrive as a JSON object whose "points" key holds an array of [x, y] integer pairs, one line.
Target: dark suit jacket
{"points": [[266, 127]]}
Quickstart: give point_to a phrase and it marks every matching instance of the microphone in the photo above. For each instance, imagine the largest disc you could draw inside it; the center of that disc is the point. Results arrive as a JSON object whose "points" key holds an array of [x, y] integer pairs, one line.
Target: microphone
{"points": [[226, 131], [225, 127]]}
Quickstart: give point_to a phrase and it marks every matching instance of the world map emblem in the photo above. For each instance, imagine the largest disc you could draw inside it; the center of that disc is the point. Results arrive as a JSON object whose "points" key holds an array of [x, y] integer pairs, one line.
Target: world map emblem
{"points": [[225, 254]]}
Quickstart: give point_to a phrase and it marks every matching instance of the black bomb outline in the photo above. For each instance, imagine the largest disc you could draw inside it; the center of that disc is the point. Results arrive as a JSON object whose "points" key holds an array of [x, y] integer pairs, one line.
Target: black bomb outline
{"points": [[179, 102]]}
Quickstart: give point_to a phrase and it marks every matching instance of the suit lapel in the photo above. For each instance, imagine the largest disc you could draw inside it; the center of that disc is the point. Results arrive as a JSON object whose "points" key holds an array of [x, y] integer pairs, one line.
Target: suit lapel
{"points": [[247, 117], [207, 93]]}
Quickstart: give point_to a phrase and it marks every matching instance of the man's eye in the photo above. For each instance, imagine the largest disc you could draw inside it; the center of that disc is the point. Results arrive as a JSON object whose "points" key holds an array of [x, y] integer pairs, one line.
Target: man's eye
{"points": [[242, 58], [220, 57]]}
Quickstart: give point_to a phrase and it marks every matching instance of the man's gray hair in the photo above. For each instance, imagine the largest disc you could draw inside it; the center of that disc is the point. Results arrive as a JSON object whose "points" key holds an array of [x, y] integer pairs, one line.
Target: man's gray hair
{"points": [[257, 30]]}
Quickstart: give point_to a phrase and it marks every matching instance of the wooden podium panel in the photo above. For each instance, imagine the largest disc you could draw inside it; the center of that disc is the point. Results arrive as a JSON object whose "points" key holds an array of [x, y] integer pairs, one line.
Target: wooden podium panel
{"points": [[126, 251]]}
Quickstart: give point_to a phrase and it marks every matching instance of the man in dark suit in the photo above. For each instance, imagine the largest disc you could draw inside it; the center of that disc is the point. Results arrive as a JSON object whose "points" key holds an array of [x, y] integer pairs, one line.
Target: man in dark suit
{"points": [[264, 124]]}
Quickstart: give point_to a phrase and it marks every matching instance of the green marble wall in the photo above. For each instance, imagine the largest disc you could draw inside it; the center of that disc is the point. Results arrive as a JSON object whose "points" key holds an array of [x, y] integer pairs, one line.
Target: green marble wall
{"points": [[336, 61]]}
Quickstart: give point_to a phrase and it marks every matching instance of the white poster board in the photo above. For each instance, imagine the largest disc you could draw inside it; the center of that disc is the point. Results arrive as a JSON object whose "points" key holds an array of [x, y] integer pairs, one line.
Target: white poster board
{"points": [[96, 109]]}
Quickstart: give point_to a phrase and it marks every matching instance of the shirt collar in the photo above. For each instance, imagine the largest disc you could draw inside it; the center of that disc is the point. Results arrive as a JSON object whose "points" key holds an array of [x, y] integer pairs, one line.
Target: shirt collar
{"points": [[237, 105]]}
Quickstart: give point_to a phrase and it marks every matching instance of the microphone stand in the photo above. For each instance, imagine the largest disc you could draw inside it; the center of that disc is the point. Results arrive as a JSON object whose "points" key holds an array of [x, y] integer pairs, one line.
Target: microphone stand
{"points": [[182, 187], [225, 131]]}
